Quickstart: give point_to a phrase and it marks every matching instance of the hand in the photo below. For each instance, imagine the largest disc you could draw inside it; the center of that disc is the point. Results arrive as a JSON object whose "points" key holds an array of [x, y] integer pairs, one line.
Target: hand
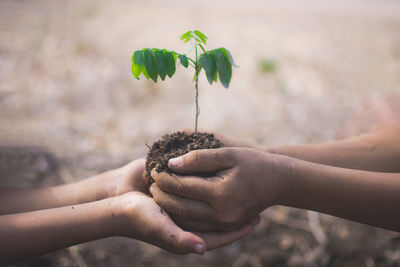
{"points": [[125, 179], [241, 182], [144, 220]]}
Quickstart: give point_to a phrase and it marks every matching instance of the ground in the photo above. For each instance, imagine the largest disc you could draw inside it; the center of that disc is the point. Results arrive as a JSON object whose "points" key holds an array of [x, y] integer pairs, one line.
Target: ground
{"points": [[66, 89]]}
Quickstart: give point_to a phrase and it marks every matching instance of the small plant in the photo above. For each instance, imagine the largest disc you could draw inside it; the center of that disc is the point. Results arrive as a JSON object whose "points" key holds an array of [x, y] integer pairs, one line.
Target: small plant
{"points": [[154, 63]]}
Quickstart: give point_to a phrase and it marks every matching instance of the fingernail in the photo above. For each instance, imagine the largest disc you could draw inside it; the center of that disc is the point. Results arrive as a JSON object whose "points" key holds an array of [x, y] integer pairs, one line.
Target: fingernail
{"points": [[199, 249], [175, 162]]}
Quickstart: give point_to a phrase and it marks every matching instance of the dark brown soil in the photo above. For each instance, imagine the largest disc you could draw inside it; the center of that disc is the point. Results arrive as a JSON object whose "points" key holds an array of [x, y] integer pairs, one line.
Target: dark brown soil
{"points": [[175, 145]]}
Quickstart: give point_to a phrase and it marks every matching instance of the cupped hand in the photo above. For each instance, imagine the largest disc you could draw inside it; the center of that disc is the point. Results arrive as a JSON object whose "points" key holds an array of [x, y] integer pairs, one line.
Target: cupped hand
{"points": [[125, 179], [144, 220], [239, 184]]}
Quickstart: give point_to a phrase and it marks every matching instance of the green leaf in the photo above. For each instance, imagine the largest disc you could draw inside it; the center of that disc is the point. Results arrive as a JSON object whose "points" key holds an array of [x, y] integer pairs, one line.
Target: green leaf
{"points": [[137, 70], [170, 63], [138, 58], [161, 64], [187, 39], [207, 60], [202, 48], [150, 64], [228, 54], [216, 76], [137, 63], [175, 55], [224, 67], [184, 61], [145, 73], [201, 36], [185, 35]]}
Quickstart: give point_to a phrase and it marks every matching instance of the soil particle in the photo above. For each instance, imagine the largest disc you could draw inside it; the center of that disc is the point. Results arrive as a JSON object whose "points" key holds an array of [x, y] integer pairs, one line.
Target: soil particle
{"points": [[175, 145]]}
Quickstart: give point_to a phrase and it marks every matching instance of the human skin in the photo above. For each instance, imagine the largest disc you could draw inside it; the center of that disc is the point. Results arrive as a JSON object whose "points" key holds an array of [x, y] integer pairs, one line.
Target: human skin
{"points": [[378, 151], [109, 184], [59, 220], [364, 186], [375, 151]]}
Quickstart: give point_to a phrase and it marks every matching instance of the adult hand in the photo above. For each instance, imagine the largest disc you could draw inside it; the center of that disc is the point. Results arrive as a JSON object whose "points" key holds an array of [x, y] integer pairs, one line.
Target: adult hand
{"points": [[240, 183], [141, 218]]}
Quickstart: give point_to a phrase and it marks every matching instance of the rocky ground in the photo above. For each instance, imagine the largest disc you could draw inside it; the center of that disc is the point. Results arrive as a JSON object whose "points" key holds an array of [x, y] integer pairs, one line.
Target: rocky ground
{"points": [[70, 108]]}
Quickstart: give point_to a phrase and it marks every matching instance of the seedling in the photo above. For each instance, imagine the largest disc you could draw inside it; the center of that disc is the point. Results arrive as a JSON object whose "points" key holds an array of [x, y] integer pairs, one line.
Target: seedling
{"points": [[154, 63]]}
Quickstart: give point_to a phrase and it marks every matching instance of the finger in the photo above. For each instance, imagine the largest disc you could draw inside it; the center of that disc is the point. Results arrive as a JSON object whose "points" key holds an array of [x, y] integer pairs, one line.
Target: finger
{"points": [[135, 169], [218, 239], [146, 183], [206, 226], [196, 225], [203, 161], [179, 207], [196, 188], [169, 236]]}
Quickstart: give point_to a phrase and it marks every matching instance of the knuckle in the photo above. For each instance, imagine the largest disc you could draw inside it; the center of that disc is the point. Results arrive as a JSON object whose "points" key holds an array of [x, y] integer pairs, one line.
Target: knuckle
{"points": [[179, 212], [178, 186], [158, 177], [199, 156], [156, 197], [230, 154]]}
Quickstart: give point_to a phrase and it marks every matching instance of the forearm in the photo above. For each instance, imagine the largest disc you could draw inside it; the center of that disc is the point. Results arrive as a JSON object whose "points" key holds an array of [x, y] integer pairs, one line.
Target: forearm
{"points": [[31, 234], [16, 200], [371, 152], [368, 197]]}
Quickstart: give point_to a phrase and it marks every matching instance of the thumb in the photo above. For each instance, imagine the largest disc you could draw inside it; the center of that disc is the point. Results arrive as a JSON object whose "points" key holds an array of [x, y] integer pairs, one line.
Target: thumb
{"points": [[203, 161], [172, 238]]}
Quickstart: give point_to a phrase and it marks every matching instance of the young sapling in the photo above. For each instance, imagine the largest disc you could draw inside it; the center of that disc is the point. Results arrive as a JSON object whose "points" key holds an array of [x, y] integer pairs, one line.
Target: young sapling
{"points": [[153, 63]]}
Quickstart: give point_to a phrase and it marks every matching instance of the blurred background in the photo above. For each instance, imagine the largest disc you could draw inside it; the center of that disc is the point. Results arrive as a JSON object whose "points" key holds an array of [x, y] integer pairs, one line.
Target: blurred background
{"points": [[310, 71]]}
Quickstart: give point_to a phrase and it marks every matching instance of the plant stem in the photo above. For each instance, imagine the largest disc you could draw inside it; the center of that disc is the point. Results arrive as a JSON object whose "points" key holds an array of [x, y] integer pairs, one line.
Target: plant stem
{"points": [[197, 89]]}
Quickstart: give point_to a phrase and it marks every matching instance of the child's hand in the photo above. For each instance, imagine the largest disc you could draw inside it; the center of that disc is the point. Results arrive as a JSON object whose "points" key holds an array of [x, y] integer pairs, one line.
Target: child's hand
{"points": [[141, 218], [124, 179], [241, 183]]}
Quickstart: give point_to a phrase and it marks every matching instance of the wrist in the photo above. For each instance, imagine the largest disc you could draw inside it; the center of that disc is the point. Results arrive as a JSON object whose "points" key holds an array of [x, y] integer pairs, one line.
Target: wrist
{"points": [[107, 184], [282, 179], [125, 214], [117, 211]]}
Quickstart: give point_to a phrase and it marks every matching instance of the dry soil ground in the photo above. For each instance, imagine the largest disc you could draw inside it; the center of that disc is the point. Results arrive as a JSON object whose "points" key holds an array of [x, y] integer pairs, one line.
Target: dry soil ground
{"points": [[65, 84]]}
